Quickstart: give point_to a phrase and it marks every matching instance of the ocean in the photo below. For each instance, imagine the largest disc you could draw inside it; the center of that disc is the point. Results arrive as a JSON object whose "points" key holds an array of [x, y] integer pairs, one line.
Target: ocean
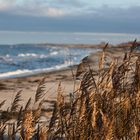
{"points": [[28, 59], [21, 54]]}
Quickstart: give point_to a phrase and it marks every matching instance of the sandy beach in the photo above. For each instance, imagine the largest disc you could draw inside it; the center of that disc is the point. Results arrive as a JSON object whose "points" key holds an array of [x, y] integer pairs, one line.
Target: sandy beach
{"points": [[29, 85], [84, 92]]}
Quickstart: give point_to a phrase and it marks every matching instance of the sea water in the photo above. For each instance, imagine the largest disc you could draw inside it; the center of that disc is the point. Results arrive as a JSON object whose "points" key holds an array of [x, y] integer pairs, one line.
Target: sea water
{"points": [[27, 59]]}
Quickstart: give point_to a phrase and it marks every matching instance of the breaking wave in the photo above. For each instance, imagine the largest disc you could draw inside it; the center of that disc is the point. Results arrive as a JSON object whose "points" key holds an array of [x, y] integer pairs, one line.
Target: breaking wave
{"points": [[22, 60]]}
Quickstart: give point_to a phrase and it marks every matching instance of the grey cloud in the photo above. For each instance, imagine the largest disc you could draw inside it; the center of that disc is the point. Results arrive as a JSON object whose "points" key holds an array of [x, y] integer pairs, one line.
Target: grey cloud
{"points": [[35, 8], [115, 13], [43, 7], [67, 3], [91, 20]]}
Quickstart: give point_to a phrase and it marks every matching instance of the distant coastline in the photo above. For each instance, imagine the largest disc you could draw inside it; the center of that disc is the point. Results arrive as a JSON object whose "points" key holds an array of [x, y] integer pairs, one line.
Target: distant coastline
{"points": [[98, 45], [20, 37]]}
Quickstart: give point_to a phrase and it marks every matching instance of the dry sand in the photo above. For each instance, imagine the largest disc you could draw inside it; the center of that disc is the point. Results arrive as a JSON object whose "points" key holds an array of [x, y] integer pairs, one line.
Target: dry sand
{"points": [[29, 85]]}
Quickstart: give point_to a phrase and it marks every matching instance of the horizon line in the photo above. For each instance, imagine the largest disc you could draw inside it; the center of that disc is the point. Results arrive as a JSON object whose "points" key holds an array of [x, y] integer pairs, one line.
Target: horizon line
{"points": [[64, 32]]}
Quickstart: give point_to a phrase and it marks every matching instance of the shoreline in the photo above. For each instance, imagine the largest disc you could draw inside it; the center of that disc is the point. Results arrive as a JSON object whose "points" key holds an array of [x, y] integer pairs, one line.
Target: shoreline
{"points": [[26, 72], [31, 73], [28, 84]]}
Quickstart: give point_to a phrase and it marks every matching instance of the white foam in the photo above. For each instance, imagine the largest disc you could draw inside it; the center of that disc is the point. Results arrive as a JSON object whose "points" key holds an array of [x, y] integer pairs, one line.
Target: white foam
{"points": [[54, 53], [27, 55], [26, 72], [7, 55], [6, 58], [37, 55], [14, 73], [32, 55]]}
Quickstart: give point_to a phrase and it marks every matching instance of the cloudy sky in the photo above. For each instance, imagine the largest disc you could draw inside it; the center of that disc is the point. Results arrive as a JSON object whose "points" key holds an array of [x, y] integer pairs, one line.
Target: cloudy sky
{"points": [[121, 16]]}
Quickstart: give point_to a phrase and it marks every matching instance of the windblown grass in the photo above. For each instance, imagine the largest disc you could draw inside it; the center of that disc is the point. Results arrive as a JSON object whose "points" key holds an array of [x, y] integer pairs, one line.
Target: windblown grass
{"points": [[105, 107]]}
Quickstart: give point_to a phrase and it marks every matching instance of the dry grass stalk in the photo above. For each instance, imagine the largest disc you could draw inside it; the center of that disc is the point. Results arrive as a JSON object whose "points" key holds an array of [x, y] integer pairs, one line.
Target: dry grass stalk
{"points": [[43, 133], [28, 104], [15, 105], [102, 58], [40, 92], [28, 125], [2, 103]]}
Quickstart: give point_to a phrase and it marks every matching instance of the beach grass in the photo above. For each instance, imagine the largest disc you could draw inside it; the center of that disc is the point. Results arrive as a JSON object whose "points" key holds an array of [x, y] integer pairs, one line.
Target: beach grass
{"points": [[105, 105]]}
